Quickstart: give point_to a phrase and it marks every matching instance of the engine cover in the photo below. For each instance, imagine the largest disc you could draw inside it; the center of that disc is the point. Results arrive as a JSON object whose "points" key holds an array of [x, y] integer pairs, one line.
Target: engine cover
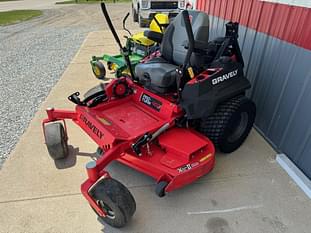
{"points": [[223, 80]]}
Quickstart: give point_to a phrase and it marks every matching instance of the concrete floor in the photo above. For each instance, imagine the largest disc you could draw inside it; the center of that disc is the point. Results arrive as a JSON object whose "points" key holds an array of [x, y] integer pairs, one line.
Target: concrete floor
{"points": [[247, 192]]}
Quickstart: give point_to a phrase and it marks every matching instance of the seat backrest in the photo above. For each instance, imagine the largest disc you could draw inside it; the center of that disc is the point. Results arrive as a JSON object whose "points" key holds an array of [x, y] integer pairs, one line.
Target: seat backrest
{"points": [[175, 37]]}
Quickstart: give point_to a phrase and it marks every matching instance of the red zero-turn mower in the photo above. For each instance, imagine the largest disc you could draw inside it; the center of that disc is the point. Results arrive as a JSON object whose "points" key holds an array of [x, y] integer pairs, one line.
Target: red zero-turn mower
{"points": [[164, 122]]}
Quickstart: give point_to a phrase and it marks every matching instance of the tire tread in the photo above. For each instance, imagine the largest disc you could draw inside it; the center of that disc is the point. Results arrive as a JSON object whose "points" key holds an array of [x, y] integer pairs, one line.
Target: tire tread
{"points": [[56, 140], [110, 190], [215, 125]]}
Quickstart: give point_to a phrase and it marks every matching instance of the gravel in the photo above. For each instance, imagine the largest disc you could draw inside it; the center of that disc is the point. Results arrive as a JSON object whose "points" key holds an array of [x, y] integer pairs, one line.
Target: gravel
{"points": [[33, 56]]}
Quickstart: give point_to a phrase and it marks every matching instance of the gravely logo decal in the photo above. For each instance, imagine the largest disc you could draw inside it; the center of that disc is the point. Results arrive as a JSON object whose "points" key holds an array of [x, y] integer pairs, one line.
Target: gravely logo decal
{"points": [[92, 127], [224, 77]]}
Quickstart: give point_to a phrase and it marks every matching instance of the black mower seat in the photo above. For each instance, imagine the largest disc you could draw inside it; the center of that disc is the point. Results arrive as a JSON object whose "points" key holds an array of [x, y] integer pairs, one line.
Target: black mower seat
{"points": [[159, 74]]}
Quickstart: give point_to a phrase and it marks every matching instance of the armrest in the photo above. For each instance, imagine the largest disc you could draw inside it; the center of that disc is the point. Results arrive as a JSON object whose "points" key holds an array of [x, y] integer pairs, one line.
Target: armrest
{"points": [[155, 36], [201, 45], [198, 45]]}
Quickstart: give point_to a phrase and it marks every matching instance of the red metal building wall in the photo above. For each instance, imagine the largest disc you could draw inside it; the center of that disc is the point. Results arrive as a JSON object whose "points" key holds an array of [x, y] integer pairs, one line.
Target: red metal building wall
{"points": [[275, 40], [286, 22]]}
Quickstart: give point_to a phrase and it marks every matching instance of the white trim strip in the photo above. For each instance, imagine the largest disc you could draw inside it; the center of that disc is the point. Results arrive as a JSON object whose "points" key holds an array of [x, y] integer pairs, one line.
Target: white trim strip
{"points": [[301, 3], [295, 173], [226, 210]]}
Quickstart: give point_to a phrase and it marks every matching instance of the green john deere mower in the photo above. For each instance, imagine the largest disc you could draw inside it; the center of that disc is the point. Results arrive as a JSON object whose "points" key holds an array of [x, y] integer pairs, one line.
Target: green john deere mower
{"points": [[137, 47]]}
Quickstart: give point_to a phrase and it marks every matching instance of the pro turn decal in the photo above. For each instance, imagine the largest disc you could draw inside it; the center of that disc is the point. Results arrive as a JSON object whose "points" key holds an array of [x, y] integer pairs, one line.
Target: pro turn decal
{"points": [[151, 102]]}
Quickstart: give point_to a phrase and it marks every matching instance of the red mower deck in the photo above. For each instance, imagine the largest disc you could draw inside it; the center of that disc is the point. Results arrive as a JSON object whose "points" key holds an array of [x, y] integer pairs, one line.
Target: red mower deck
{"points": [[116, 124]]}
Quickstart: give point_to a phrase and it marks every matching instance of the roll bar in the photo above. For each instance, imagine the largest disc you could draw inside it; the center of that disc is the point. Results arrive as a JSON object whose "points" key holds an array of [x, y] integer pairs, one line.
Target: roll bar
{"points": [[190, 47], [123, 50], [190, 36]]}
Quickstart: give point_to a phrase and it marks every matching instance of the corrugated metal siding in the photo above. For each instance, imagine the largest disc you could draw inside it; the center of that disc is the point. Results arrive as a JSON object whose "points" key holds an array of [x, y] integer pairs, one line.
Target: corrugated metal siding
{"points": [[288, 23], [276, 42]]}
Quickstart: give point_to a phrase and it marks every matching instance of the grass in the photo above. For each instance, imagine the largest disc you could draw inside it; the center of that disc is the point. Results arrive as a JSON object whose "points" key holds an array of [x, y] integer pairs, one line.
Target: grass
{"points": [[12, 17], [89, 1]]}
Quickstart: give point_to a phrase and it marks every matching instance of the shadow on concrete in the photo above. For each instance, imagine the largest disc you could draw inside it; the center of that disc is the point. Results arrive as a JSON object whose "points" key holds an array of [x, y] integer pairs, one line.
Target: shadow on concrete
{"points": [[71, 159], [129, 227]]}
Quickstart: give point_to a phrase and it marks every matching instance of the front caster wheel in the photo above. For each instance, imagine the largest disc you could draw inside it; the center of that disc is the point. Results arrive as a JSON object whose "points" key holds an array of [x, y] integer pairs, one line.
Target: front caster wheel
{"points": [[116, 200], [56, 140], [160, 188], [99, 70]]}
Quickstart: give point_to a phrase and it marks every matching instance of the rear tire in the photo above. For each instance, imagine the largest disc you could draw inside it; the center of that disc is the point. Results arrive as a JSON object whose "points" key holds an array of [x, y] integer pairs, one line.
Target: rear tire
{"points": [[116, 200], [230, 124], [141, 22], [135, 15], [56, 140]]}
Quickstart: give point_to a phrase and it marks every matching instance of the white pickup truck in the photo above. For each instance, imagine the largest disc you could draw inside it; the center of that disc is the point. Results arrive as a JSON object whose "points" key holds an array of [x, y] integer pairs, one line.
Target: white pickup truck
{"points": [[144, 10]]}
